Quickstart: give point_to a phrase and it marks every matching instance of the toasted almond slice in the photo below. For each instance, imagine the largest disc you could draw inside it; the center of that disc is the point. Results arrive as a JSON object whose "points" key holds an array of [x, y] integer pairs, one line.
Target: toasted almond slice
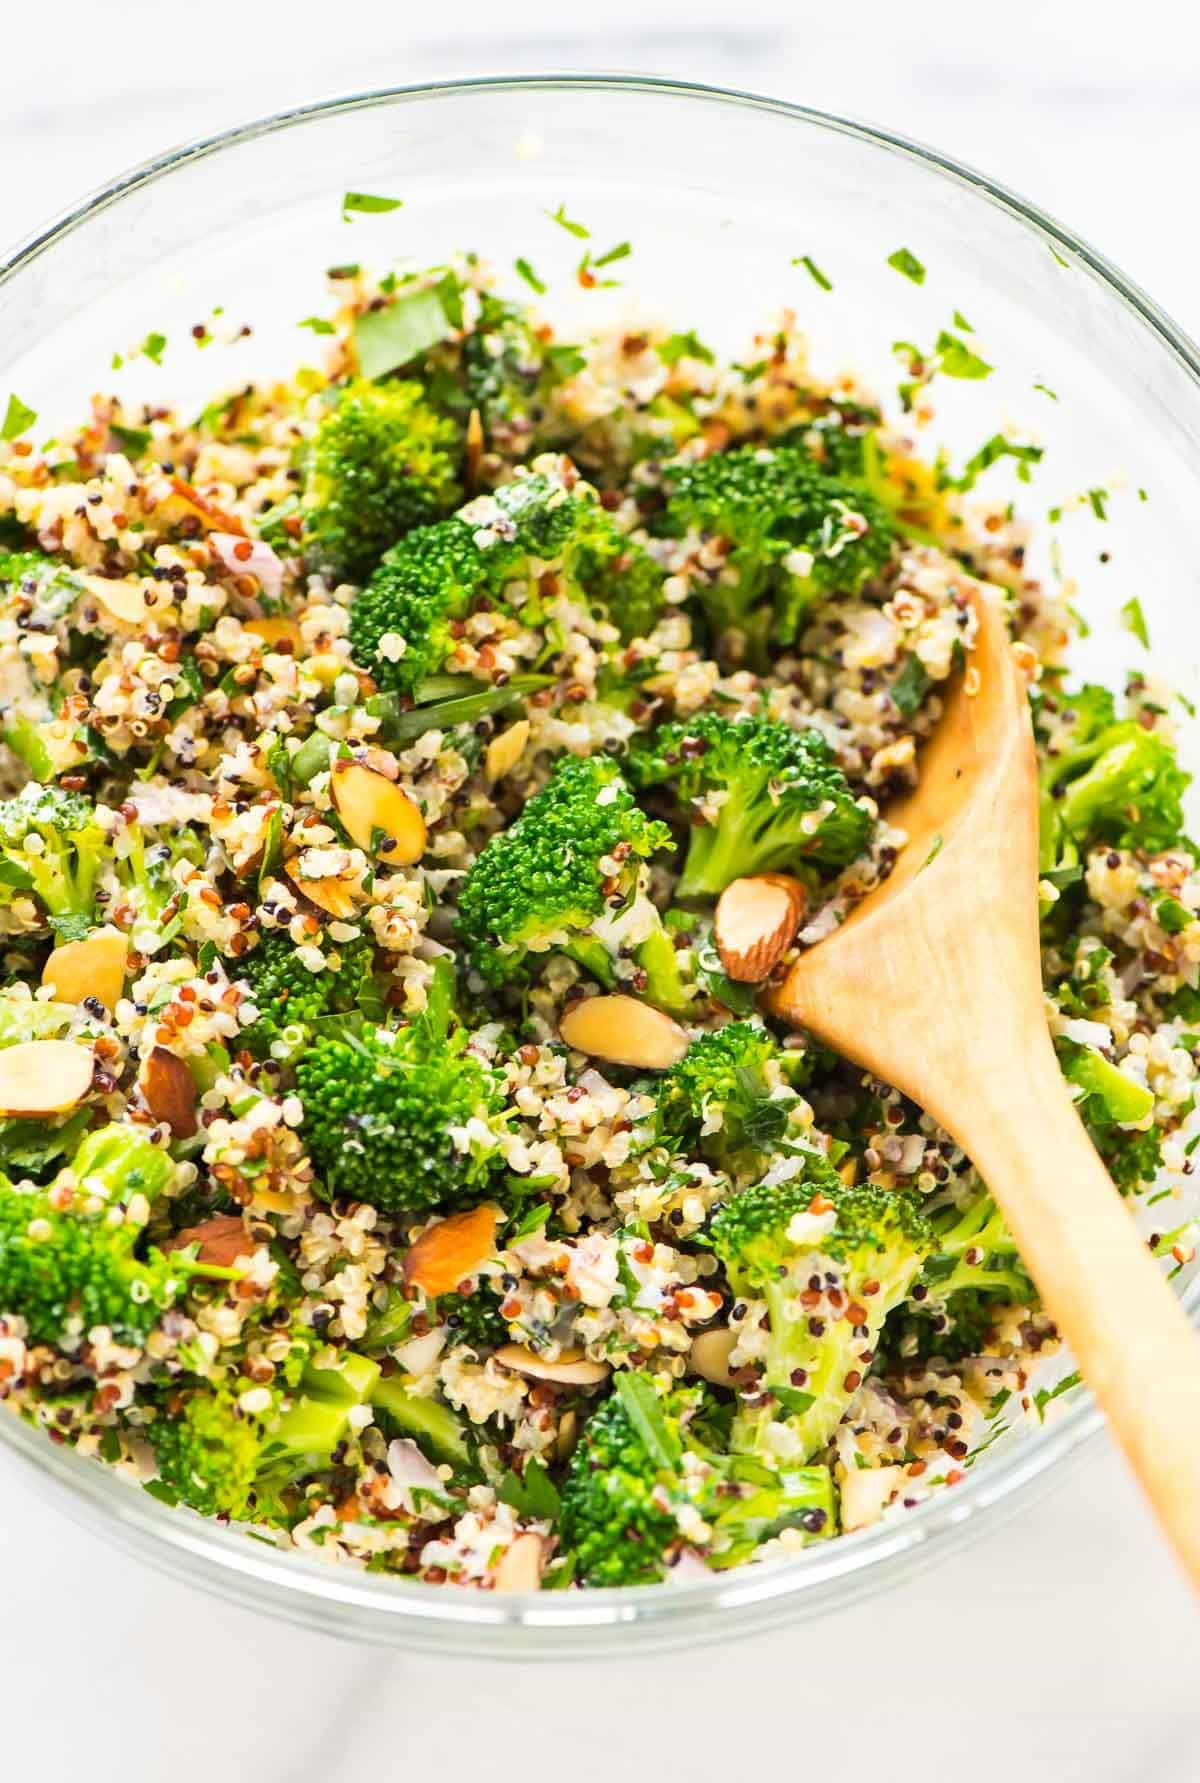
{"points": [[273, 631], [624, 1031], [452, 1249], [377, 815], [866, 1493], [44, 1076], [93, 967], [848, 1171], [709, 1356], [222, 1240], [332, 895], [506, 750], [521, 1565], [572, 1369], [130, 602], [756, 921], [170, 1092]]}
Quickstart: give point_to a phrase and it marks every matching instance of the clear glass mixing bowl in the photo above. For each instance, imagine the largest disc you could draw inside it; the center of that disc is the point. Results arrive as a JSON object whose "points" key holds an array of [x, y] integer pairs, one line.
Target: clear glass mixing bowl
{"points": [[721, 196]]}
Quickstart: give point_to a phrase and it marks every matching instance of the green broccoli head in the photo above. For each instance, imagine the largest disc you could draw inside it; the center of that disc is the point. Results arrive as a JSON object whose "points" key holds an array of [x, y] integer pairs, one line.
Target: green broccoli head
{"points": [[827, 1264], [778, 797], [730, 1096], [570, 864], [385, 1113], [973, 1269], [545, 530], [381, 462], [646, 1485], [291, 998], [794, 536], [225, 1460], [52, 847], [68, 1257], [1108, 780]]}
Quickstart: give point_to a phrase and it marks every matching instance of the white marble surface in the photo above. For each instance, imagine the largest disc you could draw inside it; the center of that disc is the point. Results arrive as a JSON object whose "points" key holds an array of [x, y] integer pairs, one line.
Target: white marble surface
{"points": [[1062, 1646]]}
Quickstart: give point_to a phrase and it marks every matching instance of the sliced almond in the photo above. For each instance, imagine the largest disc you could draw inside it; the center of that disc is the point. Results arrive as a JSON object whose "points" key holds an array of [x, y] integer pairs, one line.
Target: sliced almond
{"points": [[756, 922], [572, 1369], [44, 1076], [278, 630], [521, 1565], [381, 819], [449, 1251], [624, 1031], [170, 1092], [93, 967], [332, 893], [131, 602], [285, 1201], [506, 750], [848, 1171], [221, 1240], [866, 1493], [709, 1356]]}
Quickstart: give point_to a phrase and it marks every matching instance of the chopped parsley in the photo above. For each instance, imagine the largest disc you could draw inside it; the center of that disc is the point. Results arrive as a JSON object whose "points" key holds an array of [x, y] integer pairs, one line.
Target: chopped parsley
{"points": [[525, 271], [1134, 621], [813, 270], [18, 418], [908, 265], [394, 336], [991, 450], [684, 346], [154, 346], [318, 324], [367, 203], [579, 230], [957, 360]]}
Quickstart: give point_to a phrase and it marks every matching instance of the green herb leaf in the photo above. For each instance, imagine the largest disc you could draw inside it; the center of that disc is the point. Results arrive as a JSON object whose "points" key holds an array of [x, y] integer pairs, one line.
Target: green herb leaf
{"points": [[642, 1407], [1098, 502], [18, 417], [154, 346], [910, 686], [1046, 391], [1134, 621], [368, 203], [813, 270], [531, 1494], [318, 324], [133, 441], [791, 1399], [1046, 1395], [960, 321], [684, 346], [578, 230], [531, 278], [389, 338], [957, 359], [73, 927], [1172, 916], [908, 265], [531, 1221], [991, 450], [621, 252]]}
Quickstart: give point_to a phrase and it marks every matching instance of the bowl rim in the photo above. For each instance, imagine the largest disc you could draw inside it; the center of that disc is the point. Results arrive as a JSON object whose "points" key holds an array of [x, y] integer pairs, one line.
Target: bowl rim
{"points": [[358, 1604]]}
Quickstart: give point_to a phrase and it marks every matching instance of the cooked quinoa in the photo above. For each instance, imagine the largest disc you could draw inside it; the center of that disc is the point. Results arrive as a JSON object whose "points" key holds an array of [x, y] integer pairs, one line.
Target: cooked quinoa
{"points": [[398, 1160]]}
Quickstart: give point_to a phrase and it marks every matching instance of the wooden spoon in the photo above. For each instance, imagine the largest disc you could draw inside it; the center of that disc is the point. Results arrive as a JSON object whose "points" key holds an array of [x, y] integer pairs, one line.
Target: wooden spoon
{"points": [[934, 984]]}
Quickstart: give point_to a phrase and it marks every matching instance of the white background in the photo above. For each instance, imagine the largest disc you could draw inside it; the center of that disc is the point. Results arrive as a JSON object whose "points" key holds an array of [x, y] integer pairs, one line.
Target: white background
{"points": [[1060, 1647]]}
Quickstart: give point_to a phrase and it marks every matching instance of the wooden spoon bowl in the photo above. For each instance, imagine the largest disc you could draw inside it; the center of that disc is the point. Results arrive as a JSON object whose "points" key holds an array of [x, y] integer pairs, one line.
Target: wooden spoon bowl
{"points": [[934, 984]]}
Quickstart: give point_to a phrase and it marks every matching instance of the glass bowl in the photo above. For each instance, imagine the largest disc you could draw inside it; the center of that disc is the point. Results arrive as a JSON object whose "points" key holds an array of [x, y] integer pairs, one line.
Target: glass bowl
{"points": [[721, 196]]}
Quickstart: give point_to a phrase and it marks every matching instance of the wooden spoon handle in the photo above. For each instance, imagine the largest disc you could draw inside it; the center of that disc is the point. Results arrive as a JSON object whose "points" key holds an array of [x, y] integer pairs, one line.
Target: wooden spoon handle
{"points": [[1110, 1301]]}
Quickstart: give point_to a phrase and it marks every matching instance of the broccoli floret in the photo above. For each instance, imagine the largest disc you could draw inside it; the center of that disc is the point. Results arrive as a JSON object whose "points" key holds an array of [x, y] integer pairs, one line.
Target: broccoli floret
{"points": [[52, 846], [793, 535], [380, 1111], [474, 1319], [569, 876], [225, 1461], [643, 1487], [784, 800], [1107, 780], [508, 370], [973, 1269], [829, 1263], [544, 529], [381, 462], [290, 998], [1114, 1107], [68, 1256], [730, 1096], [144, 865]]}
